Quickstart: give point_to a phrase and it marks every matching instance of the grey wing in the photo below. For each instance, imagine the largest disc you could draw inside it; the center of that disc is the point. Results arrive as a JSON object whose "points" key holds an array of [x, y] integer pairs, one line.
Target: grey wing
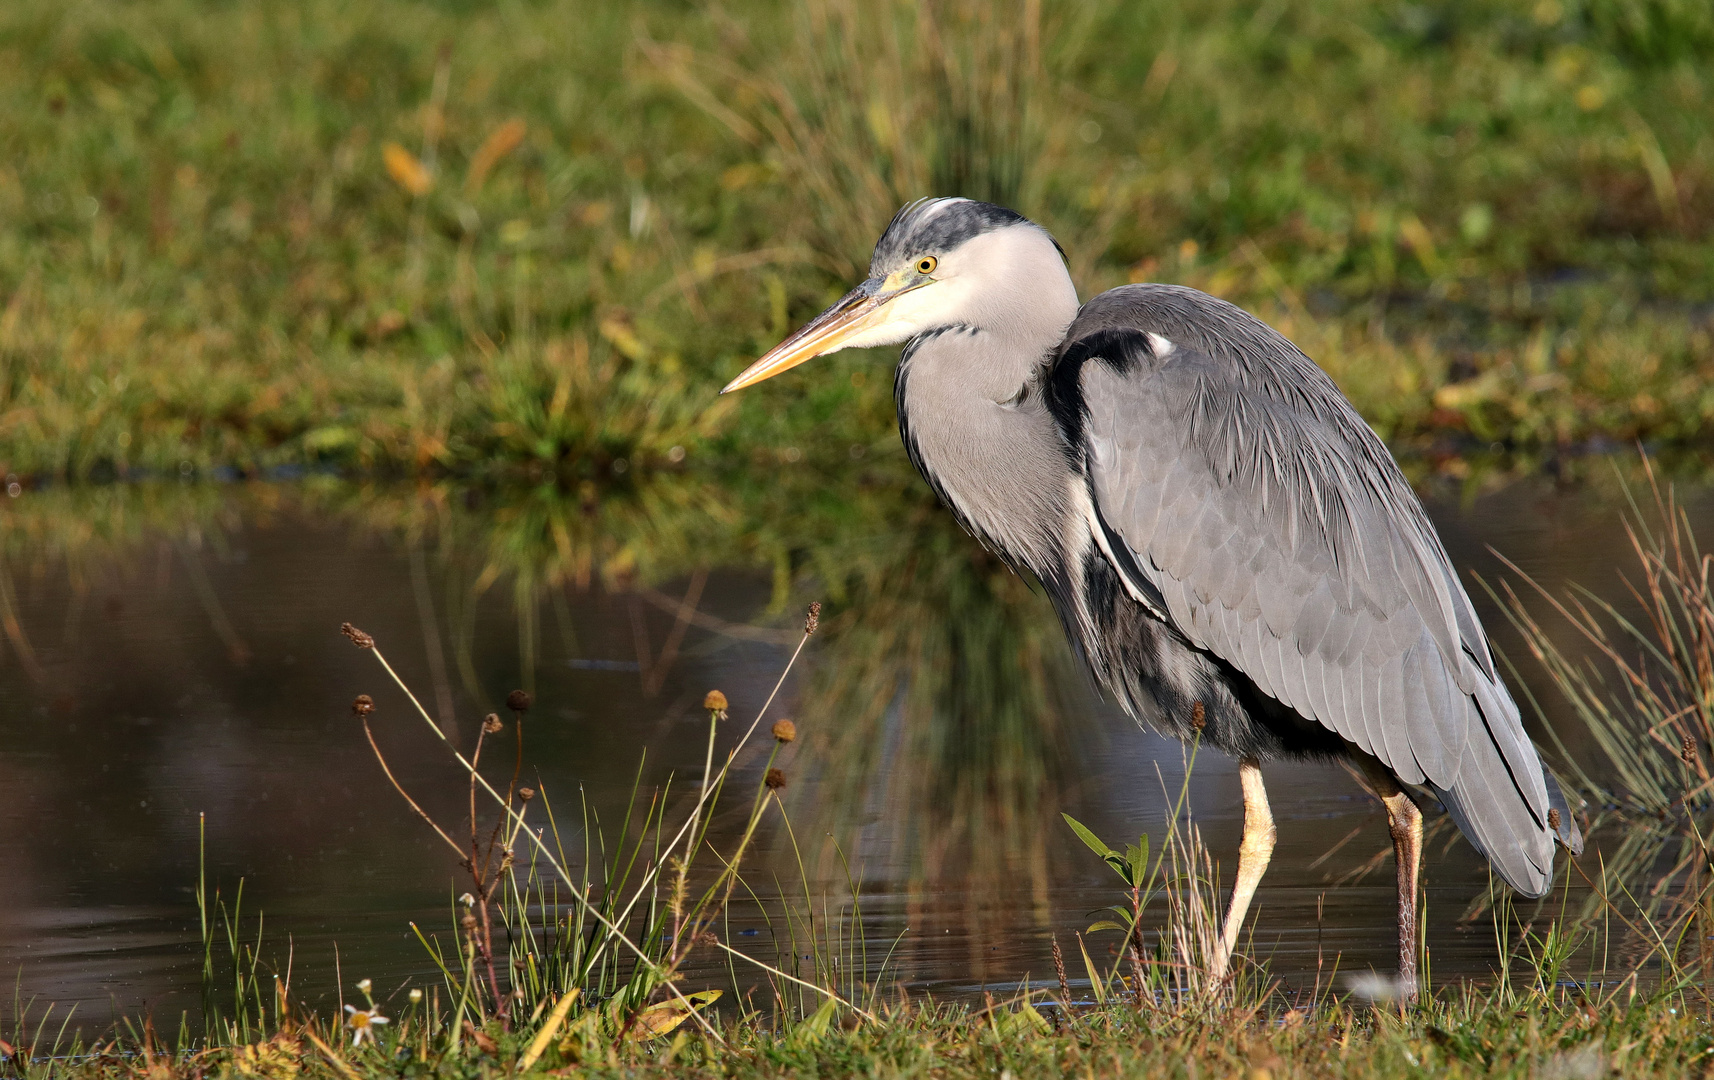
{"points": [[1282, 537]]}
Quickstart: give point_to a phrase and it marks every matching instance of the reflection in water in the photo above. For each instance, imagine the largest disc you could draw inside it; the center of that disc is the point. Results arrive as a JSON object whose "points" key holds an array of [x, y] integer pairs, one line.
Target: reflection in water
{"points": [[952, 707], [172, 650]]}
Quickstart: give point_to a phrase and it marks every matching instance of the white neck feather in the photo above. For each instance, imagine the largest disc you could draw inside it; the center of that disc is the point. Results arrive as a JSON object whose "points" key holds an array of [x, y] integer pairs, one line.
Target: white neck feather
{"points": [[1008, 300]]}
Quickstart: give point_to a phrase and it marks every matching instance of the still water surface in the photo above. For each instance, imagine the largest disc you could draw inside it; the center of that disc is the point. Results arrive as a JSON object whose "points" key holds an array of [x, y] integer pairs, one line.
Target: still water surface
{"points": [[172, 656]]}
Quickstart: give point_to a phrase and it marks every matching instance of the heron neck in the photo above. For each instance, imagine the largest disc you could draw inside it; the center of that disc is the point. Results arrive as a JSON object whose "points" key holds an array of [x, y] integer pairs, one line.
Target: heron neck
{"points": [[973, 420]]}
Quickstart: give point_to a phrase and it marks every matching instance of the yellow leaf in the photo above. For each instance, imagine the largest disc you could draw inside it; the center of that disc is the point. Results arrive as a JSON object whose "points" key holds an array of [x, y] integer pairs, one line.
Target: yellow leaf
{"points": [[500, 142], [406, 170], [1483, 388], [881, 125], [664, 1018], [742, 176], [623, 338], [546, 1034], [1416, 234]]}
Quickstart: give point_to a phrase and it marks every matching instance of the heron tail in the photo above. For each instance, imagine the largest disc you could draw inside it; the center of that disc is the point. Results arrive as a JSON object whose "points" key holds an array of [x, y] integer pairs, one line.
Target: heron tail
{"points": [[1517, 845]]}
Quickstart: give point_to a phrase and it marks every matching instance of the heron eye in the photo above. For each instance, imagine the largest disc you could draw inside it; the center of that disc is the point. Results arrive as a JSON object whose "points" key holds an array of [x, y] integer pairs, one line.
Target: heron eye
{"points": [[926, 264]]}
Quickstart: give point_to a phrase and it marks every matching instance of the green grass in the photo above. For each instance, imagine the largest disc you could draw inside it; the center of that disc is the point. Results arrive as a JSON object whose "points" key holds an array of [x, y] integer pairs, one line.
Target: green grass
{"points": [[1463, 1035], [1489, 220]]}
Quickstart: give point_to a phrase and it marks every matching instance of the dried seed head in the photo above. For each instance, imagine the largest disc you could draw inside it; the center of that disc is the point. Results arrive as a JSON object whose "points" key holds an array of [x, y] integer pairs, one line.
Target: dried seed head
{"points": [[708, 937], [1553, 818], [775, 780], [468, 921], [1689, 750], [784, 730], [1198, 716], [491, 724], [814, 619], [714, 701], [363, 706], [358, 637], [518, 701], [526, 793]]}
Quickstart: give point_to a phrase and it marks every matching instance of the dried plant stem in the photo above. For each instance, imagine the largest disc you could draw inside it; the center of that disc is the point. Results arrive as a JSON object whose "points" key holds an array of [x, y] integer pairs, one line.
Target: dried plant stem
{"points": [[612, 927], [475, 762], [485, 948], [518, 762], [412, 803], [582, 898], [731, 757], [1645, 694], [695, 838], [787, 976], [728, 878], [479, 862]]}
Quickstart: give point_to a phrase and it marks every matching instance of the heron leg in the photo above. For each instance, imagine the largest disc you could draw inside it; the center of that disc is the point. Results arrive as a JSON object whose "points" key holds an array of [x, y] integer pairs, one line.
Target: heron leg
{"points": [[1253, 854], [1404, 822]]}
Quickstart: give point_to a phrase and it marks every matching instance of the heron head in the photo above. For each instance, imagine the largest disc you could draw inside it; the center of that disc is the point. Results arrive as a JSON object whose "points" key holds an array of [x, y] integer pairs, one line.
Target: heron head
{"points": [[941, 263]]}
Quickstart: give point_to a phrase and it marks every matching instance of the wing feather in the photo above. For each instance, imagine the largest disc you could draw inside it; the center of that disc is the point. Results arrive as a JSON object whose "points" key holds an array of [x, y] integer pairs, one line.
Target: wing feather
{"points": [[1315, 683], [1313, 620], [1285, 541]]}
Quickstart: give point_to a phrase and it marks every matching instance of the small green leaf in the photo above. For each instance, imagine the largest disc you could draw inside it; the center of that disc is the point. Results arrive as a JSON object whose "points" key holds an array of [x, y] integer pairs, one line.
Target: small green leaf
{"points": [[1036, 1019], [1108, 855], [327, 439], [1083, 833], [1104, 924], [1137, 856], [817, 1024], [1023, 1023]]}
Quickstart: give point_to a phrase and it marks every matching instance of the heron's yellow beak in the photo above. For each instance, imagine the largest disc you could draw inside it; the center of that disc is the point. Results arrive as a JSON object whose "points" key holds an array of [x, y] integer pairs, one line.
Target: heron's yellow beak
{"points": [[858, 311]]}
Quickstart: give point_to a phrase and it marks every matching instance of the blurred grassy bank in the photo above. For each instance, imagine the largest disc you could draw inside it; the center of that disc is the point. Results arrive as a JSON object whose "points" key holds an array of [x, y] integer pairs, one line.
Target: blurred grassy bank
{"points": [[536, 237]]}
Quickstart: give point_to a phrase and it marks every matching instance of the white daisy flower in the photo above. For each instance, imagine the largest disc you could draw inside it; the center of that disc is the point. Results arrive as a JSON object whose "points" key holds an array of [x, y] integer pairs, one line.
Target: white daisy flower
{"points": [[362, 1023]]}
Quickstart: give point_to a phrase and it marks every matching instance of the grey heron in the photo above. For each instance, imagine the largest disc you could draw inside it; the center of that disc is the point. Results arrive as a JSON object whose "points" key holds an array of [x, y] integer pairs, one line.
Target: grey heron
{"points": [[1231, 549]]}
